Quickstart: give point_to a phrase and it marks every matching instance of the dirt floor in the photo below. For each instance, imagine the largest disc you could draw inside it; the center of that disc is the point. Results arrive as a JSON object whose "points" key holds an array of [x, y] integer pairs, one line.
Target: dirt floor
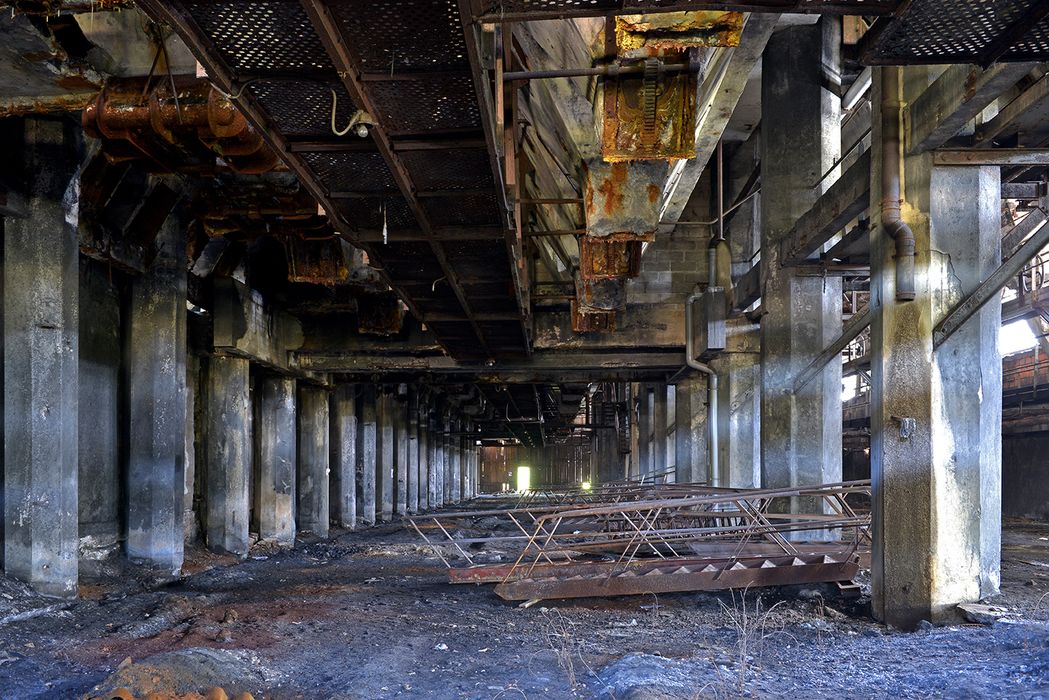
{"points": [[370, 615]]}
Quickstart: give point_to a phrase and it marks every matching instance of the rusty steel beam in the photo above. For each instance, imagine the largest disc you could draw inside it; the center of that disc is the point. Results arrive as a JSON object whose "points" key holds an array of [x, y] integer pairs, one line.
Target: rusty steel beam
{"points": [[496, 11], [348, 66]]}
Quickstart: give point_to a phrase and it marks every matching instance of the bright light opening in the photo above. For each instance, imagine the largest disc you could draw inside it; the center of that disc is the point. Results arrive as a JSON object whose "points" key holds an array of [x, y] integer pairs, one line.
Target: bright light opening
{"points": [[586, 485], [1017, 337], [524, 478]]}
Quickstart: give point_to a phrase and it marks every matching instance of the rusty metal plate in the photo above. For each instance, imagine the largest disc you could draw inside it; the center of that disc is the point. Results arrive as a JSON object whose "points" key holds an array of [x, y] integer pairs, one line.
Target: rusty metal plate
{"points": [[604, 258], [588, 321], [622, 199], [641, 36], [650, 117], [316, 262]]}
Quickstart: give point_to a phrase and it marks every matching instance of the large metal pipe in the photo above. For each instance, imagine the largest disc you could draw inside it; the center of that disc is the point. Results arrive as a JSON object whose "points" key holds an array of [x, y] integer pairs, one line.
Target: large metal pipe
{"points": [[891, 199], [712, 386]]}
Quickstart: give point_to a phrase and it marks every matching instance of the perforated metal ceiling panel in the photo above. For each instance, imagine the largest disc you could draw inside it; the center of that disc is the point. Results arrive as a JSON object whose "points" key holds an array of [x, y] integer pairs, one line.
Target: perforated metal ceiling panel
{"points": [[517, 10], [961, 31]]}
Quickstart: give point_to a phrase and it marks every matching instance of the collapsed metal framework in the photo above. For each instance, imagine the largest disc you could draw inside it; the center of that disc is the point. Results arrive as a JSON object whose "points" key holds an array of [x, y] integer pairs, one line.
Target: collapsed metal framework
{"points": [[689, 538]]}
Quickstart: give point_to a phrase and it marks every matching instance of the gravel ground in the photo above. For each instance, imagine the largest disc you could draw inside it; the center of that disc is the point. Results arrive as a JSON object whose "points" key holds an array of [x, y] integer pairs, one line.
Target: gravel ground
{"points": [[370, 615]]}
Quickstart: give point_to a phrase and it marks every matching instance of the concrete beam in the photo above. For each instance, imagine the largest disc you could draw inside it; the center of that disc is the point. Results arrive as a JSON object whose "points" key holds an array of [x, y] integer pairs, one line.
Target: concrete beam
{"points": [[845, 200], [955, 99], [246, 327]]}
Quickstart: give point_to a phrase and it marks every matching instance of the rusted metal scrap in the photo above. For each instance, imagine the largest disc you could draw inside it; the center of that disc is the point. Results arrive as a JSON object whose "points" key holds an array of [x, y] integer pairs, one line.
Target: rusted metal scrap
{"points": [[191, 128], [622, 199], [602, 258], [708, 540], [652, 117], [643, 36]]}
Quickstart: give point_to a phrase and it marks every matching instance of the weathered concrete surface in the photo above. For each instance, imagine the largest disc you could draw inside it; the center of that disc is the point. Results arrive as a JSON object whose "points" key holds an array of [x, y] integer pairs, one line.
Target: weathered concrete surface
{"points": [[659, 428], [739, 407], [387, 449], [229, 454], [98, 419], [344, 451], [644, 430], [425, 456], [312, 495], [691, 434], [367, 455], [194, 406], [800, 139], [244, 325], [41, 348], [937, 486], [276, 455], [413, 453], [456, 474], [437, 461], [156, 357], [402, 462]]}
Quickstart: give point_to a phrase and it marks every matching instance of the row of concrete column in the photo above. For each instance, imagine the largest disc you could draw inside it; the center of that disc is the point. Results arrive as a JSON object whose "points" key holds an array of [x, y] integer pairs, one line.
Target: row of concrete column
{"points": [[104, 410], [356, 454]]}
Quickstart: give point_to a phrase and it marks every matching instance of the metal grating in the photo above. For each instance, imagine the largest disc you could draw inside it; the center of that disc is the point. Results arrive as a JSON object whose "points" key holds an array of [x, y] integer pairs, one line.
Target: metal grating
{"points": [[393, 36], [431, 104], [368, 213], [460, 169], [303, 108], [960, 31], [261, 36], [351, 172], [470, 210]]}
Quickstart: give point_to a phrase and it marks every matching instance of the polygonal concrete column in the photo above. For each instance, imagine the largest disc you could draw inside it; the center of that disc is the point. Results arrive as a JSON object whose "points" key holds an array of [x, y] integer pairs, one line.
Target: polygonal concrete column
{"points": [[402, 460], [41, 347], [367, 455], [276, 442], [935, 412], [800, 140], [312, 497], [344, 455], [156, 358], [387, 451], [229, 454]]}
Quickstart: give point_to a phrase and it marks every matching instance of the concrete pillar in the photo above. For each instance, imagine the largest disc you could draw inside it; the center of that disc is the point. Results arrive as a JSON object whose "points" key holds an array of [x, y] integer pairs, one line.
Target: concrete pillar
{"points": [[691, 458], [425, 491], [413, 452], [466, 468], [344, 448], [193, 402], [659, 428], [937, 483], [800, 139], [449, 461], [314, 429], [384, 489], [229, 454], [739, 407], [437, 463], [644, 431], [41, 348], [456, 442], [156, 358], [367, 455], [276, 456], [99, 415], [402, 462]]}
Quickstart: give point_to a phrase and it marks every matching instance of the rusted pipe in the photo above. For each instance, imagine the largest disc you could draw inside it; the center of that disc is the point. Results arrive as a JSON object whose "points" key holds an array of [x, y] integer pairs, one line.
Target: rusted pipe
{"points": [[891, 215]]}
